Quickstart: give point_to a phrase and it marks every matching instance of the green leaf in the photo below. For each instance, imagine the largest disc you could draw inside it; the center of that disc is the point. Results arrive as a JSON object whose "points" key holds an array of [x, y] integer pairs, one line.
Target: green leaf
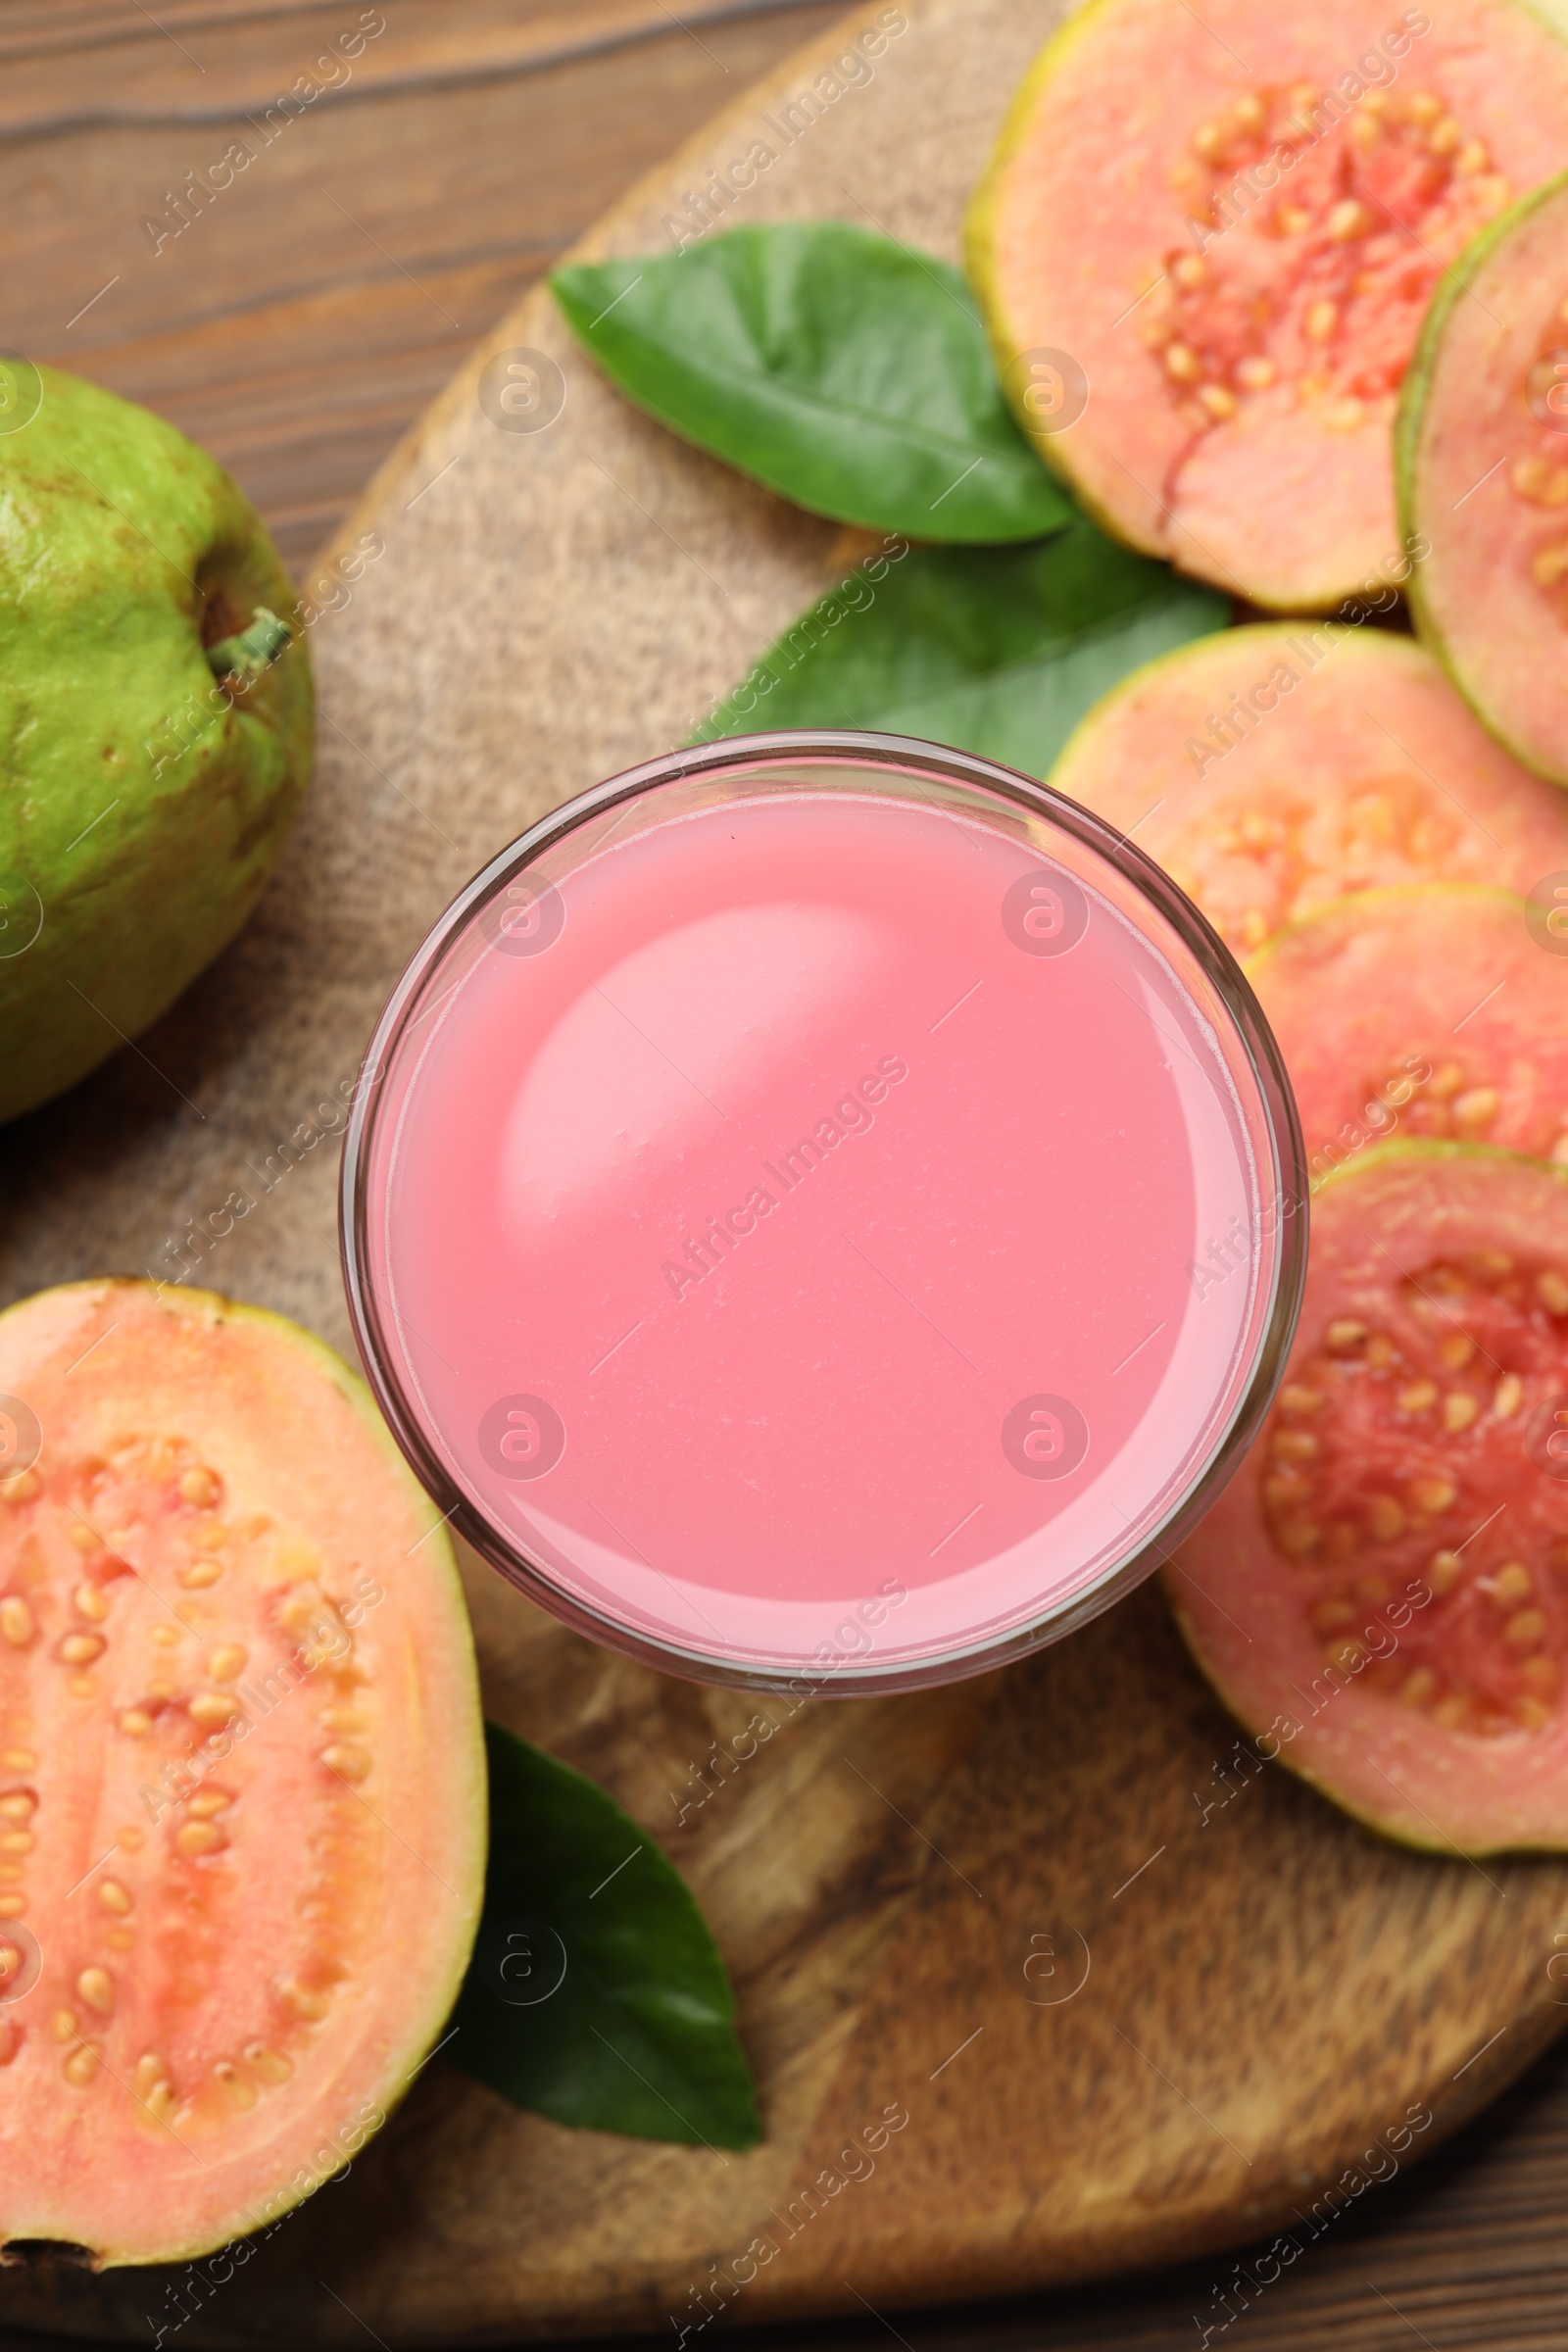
{"points": [[998, 650], [843, 370], [595, 1993]]}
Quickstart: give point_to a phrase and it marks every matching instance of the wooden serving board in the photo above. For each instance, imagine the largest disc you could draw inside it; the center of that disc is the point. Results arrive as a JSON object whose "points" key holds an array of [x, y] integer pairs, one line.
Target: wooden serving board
{"points": [[1076, 1989]]}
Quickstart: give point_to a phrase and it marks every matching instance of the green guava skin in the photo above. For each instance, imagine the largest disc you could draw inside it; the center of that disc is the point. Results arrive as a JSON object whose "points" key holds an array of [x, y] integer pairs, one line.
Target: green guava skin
{"points": [[142, 807], [1452, 288]]}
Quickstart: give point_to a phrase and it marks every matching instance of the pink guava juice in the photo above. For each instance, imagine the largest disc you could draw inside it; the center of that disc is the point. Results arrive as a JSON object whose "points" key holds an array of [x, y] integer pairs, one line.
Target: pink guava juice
{"points": [[823, 1213]]}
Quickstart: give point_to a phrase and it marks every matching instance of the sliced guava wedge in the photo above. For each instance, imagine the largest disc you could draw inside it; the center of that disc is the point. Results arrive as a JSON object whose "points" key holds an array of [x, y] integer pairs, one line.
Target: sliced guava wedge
{"points": [[1273, 768], [1481, 455], [1433, 1011], [1380, 1594], [1204, 246], [242, 1775]]}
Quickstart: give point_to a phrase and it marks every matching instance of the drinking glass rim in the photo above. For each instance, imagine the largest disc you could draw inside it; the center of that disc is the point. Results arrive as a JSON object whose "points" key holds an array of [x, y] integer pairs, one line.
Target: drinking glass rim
{"points": [[847, 747]]}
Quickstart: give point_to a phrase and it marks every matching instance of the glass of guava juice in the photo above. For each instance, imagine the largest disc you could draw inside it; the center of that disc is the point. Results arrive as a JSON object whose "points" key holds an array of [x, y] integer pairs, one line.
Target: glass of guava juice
{"points": [[823, 1213]]}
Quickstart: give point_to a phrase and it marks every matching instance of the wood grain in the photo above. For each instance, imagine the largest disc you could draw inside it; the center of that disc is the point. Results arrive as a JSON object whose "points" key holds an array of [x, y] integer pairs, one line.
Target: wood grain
{"points": [[207, 63], [1268, 1989], [309, 310]]}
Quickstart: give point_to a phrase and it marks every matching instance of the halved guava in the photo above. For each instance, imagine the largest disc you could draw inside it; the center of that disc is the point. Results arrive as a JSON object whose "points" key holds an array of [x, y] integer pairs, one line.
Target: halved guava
{"points": [[1270, 769], [1225, 224], [242, 1779], [1380, 1594], [1480, 457], [1428, 1012]]}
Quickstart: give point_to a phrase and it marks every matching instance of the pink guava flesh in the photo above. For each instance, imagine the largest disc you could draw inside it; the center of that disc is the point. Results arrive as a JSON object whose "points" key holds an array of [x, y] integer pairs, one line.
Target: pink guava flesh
{"points": [[1380, 1594], [1232, 219], [1271, 769], [1428, 1012]]}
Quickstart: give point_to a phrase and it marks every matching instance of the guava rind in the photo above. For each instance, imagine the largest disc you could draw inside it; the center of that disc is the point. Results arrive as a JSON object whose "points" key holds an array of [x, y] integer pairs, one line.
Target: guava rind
{"points": [[141, 817], [979, 230], [1240, 1605], [1545, 749], [282, 1407]]}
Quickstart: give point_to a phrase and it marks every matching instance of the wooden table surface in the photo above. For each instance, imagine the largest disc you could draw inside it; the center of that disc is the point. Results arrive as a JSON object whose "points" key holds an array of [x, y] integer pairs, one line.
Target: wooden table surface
{"points": [[296, 321]]}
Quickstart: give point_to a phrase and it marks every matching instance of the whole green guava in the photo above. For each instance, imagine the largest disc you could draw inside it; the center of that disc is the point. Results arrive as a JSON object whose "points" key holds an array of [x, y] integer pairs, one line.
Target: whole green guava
{"points": [[155, 721]]}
